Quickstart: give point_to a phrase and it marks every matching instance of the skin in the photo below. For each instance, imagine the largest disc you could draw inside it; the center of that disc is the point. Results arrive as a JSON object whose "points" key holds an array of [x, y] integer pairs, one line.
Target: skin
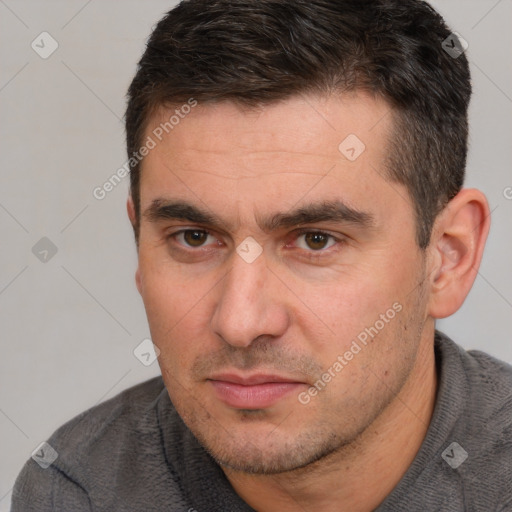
{"points": [[300, 304]]}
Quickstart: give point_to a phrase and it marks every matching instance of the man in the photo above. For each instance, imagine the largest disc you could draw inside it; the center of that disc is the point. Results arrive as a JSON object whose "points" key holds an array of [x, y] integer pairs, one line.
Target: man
{"points": [[297, 203]]}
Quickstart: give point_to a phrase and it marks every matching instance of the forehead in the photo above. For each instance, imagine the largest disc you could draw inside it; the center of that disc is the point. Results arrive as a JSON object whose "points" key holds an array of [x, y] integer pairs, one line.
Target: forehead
{"points": [[305, 147], [308, 125]]}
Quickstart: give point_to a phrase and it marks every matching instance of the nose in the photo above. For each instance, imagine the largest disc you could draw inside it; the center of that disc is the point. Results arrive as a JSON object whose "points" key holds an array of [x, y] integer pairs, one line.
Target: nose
{"points": [[250, 303]]}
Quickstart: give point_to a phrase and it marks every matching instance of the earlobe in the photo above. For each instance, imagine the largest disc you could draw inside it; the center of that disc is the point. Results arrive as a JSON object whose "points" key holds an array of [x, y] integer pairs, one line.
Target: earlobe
{"points": [[459, 236]]}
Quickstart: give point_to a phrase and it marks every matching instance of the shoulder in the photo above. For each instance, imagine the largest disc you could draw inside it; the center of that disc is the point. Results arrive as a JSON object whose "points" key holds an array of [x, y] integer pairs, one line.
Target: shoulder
{"points": [[131, 412], [481, 380], [465, 462], [485, 427], [490, 385], [489, 368], [116, 433]]}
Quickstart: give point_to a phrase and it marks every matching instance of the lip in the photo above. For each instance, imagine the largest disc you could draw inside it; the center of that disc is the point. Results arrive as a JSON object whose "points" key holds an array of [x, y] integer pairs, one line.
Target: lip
{"points": [[252, 392], [251, 380]]}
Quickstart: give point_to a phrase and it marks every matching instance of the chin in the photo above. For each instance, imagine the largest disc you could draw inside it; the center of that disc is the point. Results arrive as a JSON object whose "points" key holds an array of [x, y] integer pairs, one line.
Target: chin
{"points": [[282, 455]]}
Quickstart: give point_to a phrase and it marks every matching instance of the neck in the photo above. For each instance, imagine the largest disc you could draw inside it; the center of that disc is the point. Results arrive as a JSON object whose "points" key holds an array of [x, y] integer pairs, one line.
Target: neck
{"points": [[359, 476]]}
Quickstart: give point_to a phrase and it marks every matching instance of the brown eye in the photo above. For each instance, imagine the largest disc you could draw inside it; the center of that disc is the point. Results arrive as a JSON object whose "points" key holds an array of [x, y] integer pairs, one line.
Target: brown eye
{"points": [[317, 241], [194, 237]]}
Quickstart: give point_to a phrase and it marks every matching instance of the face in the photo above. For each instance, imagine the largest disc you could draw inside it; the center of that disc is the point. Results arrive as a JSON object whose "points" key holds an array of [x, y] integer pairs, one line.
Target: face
{"points": [[280, 275]]}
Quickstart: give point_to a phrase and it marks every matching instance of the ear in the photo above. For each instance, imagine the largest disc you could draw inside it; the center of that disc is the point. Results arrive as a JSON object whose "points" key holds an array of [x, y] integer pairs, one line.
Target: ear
{"points": [[130, 208], [456, 248]]}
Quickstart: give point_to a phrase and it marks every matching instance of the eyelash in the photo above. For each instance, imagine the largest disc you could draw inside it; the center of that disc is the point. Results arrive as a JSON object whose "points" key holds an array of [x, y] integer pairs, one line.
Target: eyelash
{"points": [[312, 253]]}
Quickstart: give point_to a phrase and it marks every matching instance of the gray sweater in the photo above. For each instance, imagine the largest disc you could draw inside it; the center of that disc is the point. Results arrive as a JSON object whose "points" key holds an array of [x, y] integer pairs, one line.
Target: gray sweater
{"points": [[134, 453]]}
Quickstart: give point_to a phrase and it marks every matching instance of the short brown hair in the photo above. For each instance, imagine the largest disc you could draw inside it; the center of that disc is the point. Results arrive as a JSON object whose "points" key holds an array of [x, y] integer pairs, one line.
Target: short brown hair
{"points": [[260, 51]]}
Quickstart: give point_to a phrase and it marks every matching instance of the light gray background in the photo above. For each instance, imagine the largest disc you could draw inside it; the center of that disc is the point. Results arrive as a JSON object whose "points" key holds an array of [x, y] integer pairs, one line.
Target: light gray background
{"points": [[70, 325]]}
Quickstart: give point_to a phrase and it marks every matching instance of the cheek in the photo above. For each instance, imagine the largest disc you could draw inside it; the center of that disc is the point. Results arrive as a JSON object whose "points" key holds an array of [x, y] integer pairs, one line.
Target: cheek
{"points": [[346, 307], [176, 314], [167, 292], [361, 317]]}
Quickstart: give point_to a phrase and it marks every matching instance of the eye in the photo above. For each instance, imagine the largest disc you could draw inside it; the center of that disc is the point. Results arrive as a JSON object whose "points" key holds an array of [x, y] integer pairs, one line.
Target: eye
{"points": [[192, 237], [313, 241], [316, 240]]}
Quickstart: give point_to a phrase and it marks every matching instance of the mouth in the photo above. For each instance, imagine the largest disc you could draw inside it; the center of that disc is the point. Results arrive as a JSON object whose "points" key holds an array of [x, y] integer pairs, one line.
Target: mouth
{"points": [[252, 392]]}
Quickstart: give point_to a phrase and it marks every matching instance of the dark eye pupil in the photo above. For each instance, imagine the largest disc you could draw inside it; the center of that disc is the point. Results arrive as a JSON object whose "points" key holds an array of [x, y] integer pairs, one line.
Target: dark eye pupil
{"points": [[315, 239], [195, 238]]}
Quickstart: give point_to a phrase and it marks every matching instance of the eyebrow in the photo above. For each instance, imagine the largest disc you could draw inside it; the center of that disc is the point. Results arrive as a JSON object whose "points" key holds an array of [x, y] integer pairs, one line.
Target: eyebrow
{"points": [[323, 211]]}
